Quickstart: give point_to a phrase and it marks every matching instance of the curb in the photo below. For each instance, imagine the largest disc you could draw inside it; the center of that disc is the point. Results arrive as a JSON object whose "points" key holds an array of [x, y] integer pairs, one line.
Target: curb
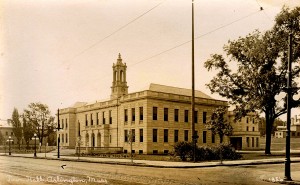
{"points": [[282, 181], [159, 166]]}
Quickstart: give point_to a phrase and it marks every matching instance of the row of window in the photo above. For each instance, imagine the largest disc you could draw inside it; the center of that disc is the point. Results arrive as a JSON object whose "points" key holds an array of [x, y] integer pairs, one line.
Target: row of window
{"points": [[6, 133], [89, 119], [62, 138], [166, 116], [63, 125], [249, 120], [130, 136], [247, 129], [176, 115], [141, 114], [141, 151], [252, 141]]}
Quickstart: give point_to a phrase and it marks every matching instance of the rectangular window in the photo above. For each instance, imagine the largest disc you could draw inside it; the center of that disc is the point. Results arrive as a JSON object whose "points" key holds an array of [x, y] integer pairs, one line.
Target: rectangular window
{"points": [[110, 117], [141, 136], [92, 119], [175, 136], [154, 113], [166, 135], [186, 135], [103, 117], [166, 114], [125, 135], [204, 117], [252, 141], [253, 129], [78, 128], [257, 142], [248, 142], [133, 135], [204, 137], [133, 114], [176, 113], [140, 151], [62, 124], [166, 151], [66, 123], [247, 120], [155, 151], [154, 135], [141, 113], [247, 128], [186, 116], [196, 134], [97, 118], [213, 137], [66, 138], [253, 120], [125, 115], [196, 117], [62, 138], [86, 121]]}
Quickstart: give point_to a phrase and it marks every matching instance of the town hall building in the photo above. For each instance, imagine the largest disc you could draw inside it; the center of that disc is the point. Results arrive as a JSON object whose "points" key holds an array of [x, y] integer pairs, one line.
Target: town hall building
{"points": [[153, 120]]}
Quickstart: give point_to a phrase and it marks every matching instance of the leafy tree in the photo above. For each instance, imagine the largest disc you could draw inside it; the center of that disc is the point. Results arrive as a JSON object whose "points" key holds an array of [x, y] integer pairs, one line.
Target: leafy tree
{"points": [[28, 130], [38, 115], [218, 124], [262, 126], [259, 77], [17, 127]]}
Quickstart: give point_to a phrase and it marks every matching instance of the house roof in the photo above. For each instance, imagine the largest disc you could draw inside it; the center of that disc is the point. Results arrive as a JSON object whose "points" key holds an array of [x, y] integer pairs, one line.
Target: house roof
{"points": [[4, 123], [177, 90]]}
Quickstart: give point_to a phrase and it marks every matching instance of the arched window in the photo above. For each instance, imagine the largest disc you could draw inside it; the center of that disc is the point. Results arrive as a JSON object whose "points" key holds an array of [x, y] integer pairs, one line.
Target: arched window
{"points": [[121, 76], [98, 140], [93, 140], [87, 139], [115, 75]]}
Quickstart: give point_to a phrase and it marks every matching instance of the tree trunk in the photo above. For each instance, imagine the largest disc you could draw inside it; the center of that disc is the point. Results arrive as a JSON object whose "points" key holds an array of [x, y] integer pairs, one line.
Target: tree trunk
{"points": [[268, 132]]}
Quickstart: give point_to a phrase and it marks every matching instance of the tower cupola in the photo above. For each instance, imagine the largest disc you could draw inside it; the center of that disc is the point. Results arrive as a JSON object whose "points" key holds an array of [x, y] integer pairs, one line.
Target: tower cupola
{"points": [[119, 85]]}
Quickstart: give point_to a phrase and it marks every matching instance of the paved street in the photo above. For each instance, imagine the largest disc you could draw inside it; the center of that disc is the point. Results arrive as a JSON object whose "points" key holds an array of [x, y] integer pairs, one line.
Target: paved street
{"points": [[17, 170]]}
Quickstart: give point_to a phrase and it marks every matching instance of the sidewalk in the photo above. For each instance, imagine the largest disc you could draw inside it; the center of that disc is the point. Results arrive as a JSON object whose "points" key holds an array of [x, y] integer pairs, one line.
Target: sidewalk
{"points": [[273, 177]]}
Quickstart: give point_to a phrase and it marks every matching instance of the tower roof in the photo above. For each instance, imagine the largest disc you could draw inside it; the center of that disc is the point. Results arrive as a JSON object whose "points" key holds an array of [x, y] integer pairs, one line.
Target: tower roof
{"points": [[119, 60]]}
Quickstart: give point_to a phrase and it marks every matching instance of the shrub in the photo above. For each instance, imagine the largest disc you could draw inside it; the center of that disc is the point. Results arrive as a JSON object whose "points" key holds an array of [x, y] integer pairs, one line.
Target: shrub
{"points": [[183, 149], [224, 151]]}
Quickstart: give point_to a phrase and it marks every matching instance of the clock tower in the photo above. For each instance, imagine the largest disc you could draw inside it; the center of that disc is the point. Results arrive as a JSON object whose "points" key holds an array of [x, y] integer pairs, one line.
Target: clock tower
{"points": [[119, 85]]}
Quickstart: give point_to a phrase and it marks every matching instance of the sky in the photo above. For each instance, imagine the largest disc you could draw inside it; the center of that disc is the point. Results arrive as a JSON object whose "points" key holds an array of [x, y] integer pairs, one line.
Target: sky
{"points": [[59, 52]]}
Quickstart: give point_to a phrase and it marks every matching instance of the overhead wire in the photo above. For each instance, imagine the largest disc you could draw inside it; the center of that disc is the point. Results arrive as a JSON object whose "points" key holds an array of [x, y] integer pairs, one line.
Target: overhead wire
{"points": [[160, 53], [114, 32]]}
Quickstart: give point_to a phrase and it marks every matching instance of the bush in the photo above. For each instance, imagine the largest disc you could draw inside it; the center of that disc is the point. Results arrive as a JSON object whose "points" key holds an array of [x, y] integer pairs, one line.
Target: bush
{"points": [[183, 149], [224, 151]]}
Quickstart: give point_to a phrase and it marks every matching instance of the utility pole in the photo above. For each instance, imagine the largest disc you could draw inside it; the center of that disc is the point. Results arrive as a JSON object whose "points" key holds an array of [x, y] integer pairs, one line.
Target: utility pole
{"points": [[58, 128], [194, 137], [287, 161]]}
